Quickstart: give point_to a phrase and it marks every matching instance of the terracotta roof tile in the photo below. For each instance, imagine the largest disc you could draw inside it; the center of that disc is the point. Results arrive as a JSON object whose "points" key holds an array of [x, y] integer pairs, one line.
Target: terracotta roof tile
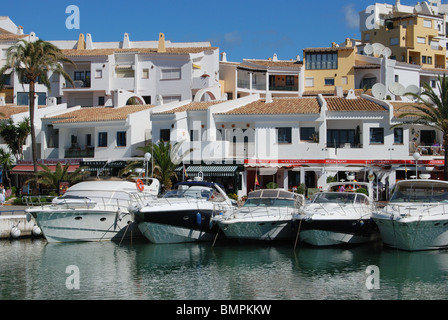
{"points": [[91, 114], [280, 106], [109, 51], [339, 104], [9, 110], [404, 107], [280, 63], [193, 106]]}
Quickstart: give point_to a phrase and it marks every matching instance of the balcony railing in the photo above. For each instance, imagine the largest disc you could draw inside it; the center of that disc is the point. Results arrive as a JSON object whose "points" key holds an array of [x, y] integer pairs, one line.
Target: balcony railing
{"points": [[284, 88], [78, 84], [74, 152]]}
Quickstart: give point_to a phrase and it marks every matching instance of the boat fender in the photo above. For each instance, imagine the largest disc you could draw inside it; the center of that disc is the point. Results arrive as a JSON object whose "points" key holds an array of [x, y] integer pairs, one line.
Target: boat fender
{"points": [[198, 218], [36, 231], [15, 232]]}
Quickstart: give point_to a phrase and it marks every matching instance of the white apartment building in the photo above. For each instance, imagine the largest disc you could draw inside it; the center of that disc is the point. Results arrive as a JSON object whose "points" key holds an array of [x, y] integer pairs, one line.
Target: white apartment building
{"points": [[291, 141], [157, 72]]}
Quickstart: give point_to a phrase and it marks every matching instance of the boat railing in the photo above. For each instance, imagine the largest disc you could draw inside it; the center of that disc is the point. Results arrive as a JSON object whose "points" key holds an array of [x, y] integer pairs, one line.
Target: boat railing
{"points": [[261, 211], [96, 202], [417, 209]]}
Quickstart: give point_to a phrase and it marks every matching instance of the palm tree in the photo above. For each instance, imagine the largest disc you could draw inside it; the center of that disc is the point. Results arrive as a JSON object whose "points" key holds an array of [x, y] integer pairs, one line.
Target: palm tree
{"points": [[165, 157], [15, 135], [31, 62], [51, 179], [6, 162], [432, 110]]}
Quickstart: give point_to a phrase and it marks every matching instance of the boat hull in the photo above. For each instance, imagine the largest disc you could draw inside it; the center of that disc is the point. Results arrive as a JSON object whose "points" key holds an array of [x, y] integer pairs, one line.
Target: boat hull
{"points": [[269, 230], [85, 225], [329, 232], [177, 226], [412, 234]]}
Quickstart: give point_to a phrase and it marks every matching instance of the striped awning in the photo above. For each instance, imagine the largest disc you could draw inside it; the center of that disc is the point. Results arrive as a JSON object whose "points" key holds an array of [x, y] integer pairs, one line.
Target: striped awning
{"points": [[209, 171], [29, 169]]}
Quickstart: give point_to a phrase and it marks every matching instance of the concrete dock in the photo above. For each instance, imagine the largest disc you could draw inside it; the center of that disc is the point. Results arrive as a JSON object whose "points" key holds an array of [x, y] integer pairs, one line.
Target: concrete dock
{"points": [[14, 216]]}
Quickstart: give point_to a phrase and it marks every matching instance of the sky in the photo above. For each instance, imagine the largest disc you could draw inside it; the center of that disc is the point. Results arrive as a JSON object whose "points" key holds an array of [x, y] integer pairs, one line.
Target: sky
{"points": [[244, 29]]}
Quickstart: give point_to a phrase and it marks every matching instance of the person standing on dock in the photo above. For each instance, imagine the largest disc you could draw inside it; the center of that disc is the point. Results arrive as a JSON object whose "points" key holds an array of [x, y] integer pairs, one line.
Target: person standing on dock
{"points": [[2, 194]]}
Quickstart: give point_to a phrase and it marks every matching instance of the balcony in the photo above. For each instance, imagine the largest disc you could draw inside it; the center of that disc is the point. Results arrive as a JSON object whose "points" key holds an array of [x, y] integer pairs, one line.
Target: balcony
{"points": [[77, 152], [284, 88], [78, 84]]}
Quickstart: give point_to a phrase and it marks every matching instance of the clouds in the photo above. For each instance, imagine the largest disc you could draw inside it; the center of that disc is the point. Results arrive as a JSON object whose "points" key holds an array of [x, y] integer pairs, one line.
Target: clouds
{"points": [[351, 16]]}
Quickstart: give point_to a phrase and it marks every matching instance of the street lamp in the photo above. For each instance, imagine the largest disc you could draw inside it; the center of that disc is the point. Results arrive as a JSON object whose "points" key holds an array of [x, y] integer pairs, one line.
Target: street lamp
{"points": [[147, 158], [416, 156]]}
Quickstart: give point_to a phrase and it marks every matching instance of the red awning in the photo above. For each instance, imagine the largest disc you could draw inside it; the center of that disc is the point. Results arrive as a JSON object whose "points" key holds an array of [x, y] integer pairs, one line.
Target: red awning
{"points": [[29, 169]]}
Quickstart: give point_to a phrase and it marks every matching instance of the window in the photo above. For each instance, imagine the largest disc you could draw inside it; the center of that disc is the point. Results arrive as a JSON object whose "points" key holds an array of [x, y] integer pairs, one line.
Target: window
{"points": [[83, 76], [309, 82], [394, 41], [367, 37], [316, 61], [433, 83], [344, 80], [329, 81], [367, 83], [165, 135], [101, 101], [427, 23], [339, 137], [377, 135], [171, 74], [88, 140], [307, 133], [124, 73], [398, 135], [424, 59], [421, 40], [284, 135], [102, 139], [98, 73], [145, 74], [121, 139], [289, 80]]}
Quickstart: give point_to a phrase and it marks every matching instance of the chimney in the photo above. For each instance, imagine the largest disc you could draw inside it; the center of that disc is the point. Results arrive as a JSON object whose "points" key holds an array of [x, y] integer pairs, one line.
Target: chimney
{"points": [[81, 42], [338, 92], [126, 42], [20, 30], [2, 99], [224, 57], [89, 42], [274, 57], [297, 58], [268, 97], [161, 48], [348, 43]]}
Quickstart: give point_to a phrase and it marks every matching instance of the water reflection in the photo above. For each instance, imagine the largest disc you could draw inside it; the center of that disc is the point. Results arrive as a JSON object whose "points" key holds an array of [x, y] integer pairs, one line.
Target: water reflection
{"points": [[33, 269]]}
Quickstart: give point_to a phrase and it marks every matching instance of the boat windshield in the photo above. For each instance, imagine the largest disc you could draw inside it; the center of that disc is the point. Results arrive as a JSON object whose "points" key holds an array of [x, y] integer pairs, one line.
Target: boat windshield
{"points": [[192, 192], [269, 202], [418, 193], [338, 197], [100, 194]]}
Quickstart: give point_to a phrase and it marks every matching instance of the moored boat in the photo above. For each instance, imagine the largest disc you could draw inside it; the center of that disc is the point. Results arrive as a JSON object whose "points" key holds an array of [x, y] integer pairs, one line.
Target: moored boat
{"points": [[90, 211], [266, 215], [416, 217], [184, 214], [339, 215]]}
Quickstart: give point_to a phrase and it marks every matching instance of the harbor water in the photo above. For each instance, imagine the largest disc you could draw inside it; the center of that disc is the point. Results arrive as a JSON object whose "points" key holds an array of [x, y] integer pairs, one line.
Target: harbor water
{"points": [[32, 269]]}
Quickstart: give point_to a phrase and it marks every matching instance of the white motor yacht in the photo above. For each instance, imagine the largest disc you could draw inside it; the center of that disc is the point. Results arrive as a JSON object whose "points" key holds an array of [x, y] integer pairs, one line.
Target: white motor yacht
{"points": [[90, 211], [266, 215], [339, 215], [183, 214], [416, 217]]}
